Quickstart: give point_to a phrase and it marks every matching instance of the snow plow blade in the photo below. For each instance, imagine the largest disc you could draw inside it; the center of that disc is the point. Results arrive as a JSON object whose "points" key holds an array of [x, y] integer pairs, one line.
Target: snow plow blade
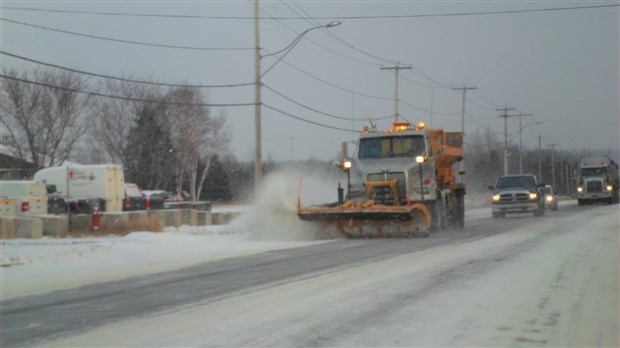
{"points": [[367, 220]]}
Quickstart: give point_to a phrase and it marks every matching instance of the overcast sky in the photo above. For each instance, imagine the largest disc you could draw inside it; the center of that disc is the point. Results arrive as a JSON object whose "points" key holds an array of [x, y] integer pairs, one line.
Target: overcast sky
{"points": [[561, 66]]}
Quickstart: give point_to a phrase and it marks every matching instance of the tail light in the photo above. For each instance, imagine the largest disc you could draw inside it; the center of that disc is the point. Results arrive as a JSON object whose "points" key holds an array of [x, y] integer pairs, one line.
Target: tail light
{"points": [[127, 204], [25, 207], [147, 204]]}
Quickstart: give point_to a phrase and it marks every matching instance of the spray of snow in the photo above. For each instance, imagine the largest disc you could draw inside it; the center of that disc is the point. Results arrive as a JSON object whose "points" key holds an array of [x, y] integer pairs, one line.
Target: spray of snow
{"points": [[274, 213]]}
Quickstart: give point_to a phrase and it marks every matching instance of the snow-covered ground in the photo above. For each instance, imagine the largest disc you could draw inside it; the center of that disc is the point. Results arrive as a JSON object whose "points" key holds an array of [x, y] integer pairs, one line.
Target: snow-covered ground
{"points": [[552, 282], [32, 266], [36, 266]]}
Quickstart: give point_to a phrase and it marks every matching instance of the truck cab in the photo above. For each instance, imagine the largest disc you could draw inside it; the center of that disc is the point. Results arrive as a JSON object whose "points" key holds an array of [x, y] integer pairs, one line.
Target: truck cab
{"points": [[598, 180], [384, 156]]}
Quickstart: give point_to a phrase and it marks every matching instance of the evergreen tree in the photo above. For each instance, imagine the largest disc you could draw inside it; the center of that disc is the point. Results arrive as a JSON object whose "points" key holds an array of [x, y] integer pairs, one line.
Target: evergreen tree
{"points": [[217, 183], [149, 156]]}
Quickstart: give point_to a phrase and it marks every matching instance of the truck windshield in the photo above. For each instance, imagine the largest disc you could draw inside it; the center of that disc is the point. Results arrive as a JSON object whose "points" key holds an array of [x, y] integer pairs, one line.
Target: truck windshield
{"points": [[601, 171], [389, 147], [516, 181]]}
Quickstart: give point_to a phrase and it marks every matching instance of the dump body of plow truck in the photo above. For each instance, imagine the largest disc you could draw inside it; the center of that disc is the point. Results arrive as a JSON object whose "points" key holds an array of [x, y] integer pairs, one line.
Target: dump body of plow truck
{"points": [[401, 184]]}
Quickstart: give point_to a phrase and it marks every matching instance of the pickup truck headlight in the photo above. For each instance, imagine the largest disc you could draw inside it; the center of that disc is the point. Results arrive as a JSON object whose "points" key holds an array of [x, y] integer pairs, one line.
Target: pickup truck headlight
{"points": [[495, 198], [549, 198], [533, 195], [609, 188], [579, 189]]}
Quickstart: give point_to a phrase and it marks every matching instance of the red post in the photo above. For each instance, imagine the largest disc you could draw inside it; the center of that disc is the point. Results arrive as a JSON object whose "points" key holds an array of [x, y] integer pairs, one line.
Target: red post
{"points": [[96, 219]]}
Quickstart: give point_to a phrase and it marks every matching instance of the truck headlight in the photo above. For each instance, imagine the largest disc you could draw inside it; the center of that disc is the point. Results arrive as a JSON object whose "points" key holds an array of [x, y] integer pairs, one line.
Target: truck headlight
{"points": [[495, 198], [579, 189], [549, 198], [609, 188], [533, 195]]}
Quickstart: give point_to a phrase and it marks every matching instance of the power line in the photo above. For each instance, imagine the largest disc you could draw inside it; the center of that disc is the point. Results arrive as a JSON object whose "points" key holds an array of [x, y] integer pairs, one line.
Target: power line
{"points": [[483, 97], [305, 120], [431, 15], [118, 96], [307, 107], [359, 93], [124, 41], [334, 85], [479, 105], [121, 78], [420, 83]]}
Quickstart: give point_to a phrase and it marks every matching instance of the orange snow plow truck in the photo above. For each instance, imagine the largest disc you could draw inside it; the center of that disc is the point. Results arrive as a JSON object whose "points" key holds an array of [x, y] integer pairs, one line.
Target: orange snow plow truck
{"points": [[400, 184]]}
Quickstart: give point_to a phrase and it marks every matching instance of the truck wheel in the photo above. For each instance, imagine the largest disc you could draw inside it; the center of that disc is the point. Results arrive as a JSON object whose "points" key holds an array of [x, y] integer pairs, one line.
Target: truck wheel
{"points": [[498, 215], [460, 223], [579, 202], [439, 218]]}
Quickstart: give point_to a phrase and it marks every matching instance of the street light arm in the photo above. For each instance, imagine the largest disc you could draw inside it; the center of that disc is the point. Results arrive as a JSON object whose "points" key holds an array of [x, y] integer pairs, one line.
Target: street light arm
{"points": [[293, 43], [525, 125], [522, 128], [296, 40]]}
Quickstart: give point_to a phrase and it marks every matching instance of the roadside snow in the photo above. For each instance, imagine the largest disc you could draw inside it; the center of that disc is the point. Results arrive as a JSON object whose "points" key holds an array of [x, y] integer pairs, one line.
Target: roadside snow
{"points": [[37, 266]]}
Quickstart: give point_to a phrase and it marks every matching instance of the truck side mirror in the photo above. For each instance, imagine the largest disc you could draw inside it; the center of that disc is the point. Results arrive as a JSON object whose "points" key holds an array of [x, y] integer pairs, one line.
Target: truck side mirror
{"points": [[541, 185], [491, 187]]}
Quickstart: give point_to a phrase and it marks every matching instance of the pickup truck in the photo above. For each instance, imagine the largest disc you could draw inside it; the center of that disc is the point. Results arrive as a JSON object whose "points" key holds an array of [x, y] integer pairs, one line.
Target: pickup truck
{"points": [[517, 193]]}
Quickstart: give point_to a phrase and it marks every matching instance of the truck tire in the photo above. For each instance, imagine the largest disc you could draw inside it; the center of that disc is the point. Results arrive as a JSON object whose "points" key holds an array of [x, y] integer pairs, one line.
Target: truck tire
{"points": [[439, 219], [580, 202], [460, 208]]}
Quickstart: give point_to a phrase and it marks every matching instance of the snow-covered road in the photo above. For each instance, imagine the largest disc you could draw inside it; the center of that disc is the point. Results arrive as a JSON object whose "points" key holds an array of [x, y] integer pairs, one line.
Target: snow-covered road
{"points": [[522, 281]]}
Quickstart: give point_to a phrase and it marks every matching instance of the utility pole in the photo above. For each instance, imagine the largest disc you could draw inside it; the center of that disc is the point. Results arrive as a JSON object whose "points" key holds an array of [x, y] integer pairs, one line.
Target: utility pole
{"points": [[258, 162], [505, 116], [464, 90], [520, 116], [397, 70], [552, 146], [539, 159]]}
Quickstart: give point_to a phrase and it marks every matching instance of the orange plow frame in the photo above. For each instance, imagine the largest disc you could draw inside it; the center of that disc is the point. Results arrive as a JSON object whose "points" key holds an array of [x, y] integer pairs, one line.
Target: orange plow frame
{"points": [[362, 215]]}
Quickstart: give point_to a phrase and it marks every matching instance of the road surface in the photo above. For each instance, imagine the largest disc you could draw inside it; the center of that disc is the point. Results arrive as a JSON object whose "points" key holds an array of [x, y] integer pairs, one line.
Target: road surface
{"points": [[550, 281]]}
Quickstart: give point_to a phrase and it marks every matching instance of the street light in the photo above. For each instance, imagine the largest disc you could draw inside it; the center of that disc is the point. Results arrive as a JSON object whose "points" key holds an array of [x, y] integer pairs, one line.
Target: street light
{"points": [[258, 170]]}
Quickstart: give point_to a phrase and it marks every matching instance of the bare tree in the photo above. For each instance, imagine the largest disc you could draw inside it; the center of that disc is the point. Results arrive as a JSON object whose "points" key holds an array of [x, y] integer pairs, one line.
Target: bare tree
{"points": [[217, 140], [197, 136], [113, 118], [42, 124]]}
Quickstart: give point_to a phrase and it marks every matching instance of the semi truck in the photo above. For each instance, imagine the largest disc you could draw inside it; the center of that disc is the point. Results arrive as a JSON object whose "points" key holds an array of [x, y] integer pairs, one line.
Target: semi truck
{"points": [[597, 180], [401, 184]]}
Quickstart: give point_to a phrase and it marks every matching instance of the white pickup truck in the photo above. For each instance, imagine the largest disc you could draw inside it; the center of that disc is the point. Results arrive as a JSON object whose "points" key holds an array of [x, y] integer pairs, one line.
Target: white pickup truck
{"points": [[518, 193]]}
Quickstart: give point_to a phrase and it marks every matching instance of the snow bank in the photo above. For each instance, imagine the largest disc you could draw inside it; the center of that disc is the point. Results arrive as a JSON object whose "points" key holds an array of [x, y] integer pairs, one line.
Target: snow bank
{"points": [[38, 266]]}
